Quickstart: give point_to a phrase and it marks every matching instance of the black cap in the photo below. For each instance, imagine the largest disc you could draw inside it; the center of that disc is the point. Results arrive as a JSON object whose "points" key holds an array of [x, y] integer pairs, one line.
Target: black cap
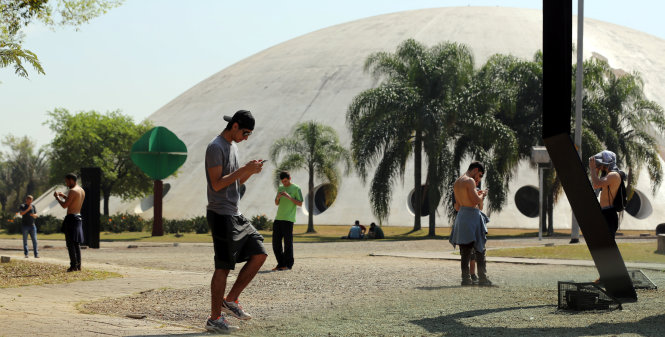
{"points": [[244, 119]]}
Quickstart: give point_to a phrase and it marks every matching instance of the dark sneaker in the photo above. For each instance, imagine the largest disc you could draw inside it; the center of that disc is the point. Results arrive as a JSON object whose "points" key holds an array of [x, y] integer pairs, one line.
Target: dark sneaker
{"points": [[220, 325], [71, 269], [235, 310], [37, 256], [474, 278], [467, 282], [484, 282]]}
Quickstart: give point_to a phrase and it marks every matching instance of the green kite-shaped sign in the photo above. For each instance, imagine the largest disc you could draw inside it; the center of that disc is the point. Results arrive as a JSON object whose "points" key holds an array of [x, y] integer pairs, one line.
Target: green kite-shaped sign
{"points": [[159, 153]]}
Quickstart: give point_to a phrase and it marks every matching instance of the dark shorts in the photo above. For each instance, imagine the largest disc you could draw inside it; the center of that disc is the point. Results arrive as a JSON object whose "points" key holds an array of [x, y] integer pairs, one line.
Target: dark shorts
{"points": [[234, 238], [612, 219], [72, 226]]}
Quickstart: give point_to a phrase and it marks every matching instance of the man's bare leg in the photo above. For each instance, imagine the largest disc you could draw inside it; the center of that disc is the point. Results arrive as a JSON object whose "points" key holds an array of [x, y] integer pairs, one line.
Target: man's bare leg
{"points": [[217, 289], [245, 276]]}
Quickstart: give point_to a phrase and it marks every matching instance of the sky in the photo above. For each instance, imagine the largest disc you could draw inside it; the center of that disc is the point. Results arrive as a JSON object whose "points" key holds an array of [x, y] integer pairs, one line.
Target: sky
{"points": [[140, 56]]}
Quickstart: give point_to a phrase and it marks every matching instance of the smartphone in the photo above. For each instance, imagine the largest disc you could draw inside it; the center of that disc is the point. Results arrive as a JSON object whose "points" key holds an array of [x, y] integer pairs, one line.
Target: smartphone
{"points": [[263, 161]]}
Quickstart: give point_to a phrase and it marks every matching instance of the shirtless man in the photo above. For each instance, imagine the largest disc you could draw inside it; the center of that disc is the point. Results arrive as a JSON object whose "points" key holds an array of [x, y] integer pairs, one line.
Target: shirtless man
{"points": [[469, 231], [72, 225], [604, 164]]}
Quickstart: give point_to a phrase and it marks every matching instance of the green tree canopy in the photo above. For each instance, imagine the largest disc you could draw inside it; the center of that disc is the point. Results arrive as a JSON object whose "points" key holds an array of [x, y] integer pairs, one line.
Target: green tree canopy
{"points": [[92, 139], [422, 105], [315, 148], [23, 171], [16, 15]]}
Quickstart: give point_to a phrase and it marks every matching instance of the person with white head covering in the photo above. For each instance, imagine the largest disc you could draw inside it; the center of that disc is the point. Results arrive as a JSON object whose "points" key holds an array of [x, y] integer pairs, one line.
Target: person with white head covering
{"points": [[606, 176]]}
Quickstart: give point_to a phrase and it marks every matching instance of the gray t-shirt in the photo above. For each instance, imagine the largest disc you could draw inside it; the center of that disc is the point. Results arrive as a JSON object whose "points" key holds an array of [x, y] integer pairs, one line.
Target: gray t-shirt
{"points": [[224, 154]]}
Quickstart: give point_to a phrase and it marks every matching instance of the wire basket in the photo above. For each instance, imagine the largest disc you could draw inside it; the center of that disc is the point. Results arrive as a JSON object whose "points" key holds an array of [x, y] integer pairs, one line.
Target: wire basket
{"points": [[585, 296]]}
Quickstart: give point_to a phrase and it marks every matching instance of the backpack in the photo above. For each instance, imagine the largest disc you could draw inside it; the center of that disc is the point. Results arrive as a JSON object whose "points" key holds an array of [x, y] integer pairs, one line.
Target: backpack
{"points": [[621, 199]]}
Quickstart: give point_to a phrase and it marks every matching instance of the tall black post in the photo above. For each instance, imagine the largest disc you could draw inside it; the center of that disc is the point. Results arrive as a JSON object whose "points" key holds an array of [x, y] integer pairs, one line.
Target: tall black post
{"points": [[91, 178], [557, 89]]}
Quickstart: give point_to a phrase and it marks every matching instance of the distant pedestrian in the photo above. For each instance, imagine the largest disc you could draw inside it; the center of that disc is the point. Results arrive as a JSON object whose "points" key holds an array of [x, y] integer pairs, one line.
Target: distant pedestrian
{"points": [[28, 213], [72, 226], [288, 198], [234, 238]]}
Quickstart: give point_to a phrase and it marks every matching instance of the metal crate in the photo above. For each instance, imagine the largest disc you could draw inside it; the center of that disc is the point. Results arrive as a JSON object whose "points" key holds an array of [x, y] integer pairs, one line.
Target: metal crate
{"points": [[585, 296]]}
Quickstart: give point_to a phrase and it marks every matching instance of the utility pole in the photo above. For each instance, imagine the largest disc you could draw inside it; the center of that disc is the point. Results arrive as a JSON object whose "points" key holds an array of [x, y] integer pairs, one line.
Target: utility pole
{"points": [[575, 227]]}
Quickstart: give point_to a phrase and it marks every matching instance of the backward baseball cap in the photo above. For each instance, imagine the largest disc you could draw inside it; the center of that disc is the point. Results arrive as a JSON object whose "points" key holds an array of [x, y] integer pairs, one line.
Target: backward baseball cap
{"points": [[607, 158], [244, 119]]}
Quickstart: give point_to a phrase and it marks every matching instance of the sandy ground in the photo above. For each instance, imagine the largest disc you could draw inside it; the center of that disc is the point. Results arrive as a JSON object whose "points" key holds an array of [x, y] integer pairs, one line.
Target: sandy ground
{"points": [[335, 289]]}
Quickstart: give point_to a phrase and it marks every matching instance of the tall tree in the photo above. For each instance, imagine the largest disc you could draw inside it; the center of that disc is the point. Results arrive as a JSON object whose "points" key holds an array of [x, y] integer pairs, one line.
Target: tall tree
{"points": [[16, 15], [409, 113], [91, 139], [618, 115], [315, 148], [25, 168]]}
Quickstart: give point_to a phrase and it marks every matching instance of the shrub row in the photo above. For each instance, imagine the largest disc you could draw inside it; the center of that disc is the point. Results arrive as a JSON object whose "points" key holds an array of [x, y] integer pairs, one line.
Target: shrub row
{"points": [[47, 224]]}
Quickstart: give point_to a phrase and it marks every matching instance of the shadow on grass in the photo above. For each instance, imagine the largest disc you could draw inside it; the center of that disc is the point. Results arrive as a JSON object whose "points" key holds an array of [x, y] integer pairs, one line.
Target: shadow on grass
{"points": [[453, 326]]}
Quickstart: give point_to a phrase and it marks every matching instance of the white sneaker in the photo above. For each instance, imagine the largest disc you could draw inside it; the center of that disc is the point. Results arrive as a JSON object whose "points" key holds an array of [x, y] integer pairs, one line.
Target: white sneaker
{"points": [[220, 325], [235, 310]]}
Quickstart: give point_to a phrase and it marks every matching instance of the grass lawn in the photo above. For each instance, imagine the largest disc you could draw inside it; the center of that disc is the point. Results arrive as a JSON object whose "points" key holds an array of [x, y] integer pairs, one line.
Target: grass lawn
{"points": [[19, 273], [324, 233], [631, 252]]}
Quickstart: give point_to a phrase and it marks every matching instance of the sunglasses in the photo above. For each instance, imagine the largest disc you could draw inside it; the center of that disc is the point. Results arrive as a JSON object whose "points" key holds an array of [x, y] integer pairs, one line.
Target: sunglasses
{"points": [[246, 133]]}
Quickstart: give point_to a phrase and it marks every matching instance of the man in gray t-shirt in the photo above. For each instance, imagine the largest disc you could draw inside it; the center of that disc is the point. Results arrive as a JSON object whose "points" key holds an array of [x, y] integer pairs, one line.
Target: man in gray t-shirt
{"points": [[234, 238]]}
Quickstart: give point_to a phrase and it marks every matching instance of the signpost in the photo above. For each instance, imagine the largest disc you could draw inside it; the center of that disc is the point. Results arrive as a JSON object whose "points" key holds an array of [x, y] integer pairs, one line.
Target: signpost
{"points": [[158, 153]]}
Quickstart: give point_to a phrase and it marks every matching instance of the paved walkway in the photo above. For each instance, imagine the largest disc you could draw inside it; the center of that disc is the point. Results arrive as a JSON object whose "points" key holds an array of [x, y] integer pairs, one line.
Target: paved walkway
{"points": [[51, 310]]}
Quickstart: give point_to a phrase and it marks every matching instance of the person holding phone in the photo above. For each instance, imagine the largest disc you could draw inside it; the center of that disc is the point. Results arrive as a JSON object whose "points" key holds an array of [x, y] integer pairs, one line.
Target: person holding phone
{"points": [[234, 238], [470, 230], [288, 198]]}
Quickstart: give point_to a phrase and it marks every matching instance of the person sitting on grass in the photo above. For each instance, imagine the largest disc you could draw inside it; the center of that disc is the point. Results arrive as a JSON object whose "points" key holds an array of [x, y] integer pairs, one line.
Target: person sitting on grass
{"points": [[375, 232], [357, 231]]}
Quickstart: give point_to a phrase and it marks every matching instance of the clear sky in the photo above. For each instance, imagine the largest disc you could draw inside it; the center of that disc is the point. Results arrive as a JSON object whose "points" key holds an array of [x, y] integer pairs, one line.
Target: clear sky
{"points": [[143, 54]]}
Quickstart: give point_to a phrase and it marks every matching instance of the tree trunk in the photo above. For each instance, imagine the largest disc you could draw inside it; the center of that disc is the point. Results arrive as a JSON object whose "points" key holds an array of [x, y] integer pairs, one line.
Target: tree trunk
{"points": [[310, 199], [417, 157], [550, 210], [30, 188], [17, 200], [107, 195]]}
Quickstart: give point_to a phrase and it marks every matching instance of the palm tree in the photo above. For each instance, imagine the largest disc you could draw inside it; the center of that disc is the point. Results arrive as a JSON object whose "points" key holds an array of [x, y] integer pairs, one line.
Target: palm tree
{"points": [[408, 113], [313, 147], [500, 118], [618, 116]]}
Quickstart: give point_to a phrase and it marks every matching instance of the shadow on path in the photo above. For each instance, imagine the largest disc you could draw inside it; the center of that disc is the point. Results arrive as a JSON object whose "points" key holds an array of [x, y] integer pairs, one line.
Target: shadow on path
{"points": [[452, 325]]}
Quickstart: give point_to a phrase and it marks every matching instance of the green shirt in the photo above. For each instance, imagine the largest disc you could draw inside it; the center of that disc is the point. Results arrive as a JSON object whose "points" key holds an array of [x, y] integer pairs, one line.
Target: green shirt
{"points": [[286, 211]]}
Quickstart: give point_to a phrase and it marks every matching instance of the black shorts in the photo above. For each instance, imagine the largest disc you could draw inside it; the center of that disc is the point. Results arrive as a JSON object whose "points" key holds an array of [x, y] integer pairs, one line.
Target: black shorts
{"points": [[234, 238]]}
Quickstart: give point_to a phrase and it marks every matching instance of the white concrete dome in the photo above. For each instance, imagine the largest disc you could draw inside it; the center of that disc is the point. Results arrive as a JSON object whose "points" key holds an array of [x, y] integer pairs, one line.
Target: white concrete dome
{"points": [[315, 77]]}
